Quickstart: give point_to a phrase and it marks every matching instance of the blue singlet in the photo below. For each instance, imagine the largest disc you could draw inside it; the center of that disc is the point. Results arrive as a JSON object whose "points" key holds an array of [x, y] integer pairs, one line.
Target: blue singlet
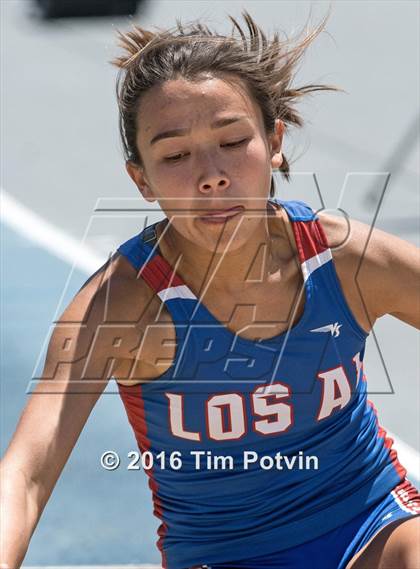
{"points": [[302, 453]]}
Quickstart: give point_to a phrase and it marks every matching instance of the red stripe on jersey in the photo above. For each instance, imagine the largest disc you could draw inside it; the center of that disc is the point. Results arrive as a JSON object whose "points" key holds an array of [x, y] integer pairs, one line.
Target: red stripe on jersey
{"points": [[310, 239], [407, 496], [132, 397], [159, 274], [401, 471]]}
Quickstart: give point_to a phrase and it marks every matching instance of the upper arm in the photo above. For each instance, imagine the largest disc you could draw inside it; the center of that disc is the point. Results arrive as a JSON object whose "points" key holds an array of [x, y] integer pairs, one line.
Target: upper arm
{"points": [[385, 268], [75, 374], [399, 279]]}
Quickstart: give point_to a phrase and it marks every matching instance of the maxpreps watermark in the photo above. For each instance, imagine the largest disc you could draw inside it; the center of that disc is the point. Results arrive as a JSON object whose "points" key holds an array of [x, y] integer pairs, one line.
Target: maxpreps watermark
{"points": [[207, 460]]}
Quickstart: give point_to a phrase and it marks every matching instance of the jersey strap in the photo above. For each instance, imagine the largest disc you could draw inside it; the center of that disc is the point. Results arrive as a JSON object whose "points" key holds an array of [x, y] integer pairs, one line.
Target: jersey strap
{"points": [[315, 254], [143, 253], [311, 241]]}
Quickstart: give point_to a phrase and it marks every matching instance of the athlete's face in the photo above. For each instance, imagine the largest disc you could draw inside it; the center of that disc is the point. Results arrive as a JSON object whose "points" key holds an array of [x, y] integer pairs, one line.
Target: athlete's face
{"points": [[204, 148]]}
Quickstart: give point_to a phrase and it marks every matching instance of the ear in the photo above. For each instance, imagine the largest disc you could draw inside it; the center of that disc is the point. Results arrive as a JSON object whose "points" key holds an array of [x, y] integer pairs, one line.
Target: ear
{"points": [[138, 175], [276, 141]]}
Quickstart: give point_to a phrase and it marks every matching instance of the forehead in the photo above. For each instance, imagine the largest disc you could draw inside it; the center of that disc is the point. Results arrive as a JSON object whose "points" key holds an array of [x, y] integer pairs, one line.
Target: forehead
{"points": [[182, 103]]}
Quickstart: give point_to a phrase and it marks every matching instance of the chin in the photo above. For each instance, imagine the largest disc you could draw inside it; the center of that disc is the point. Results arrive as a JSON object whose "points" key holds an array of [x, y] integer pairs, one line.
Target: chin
{"points": [[228, 237]]}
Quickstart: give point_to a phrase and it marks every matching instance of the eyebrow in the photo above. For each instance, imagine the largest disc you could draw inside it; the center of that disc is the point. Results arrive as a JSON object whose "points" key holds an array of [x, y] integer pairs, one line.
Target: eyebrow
{"points": [[183, 131]]}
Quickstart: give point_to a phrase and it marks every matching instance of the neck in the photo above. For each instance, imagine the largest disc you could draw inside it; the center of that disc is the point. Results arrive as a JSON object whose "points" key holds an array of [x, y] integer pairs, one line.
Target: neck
{"points": [[228, 271]]}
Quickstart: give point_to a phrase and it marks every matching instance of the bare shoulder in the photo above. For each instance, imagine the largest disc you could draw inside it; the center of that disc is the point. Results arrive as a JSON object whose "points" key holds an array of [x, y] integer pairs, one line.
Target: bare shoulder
{"points": [[379, 271], [114, 293], [350, 236], [104, 320]]}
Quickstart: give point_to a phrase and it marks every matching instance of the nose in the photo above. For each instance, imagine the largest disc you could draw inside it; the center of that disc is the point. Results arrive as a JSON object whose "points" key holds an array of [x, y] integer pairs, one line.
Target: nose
{"points": [[213, 180], [214, 183]]}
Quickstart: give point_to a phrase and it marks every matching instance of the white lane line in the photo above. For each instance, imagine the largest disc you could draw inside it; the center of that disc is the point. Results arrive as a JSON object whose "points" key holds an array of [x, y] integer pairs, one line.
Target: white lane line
{"points": [[46, 235], [36, 229]]}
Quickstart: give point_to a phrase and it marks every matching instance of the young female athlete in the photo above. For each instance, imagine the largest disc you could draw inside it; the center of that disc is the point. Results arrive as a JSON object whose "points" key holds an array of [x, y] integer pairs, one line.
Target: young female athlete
{"points": [[235, 329]]}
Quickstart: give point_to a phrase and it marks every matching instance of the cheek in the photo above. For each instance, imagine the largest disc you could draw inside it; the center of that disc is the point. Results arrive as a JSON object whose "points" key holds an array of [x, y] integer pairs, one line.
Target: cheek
{"points": [[172, 186], [257, 154], [256, 170], [253, 167], [173, 180]]}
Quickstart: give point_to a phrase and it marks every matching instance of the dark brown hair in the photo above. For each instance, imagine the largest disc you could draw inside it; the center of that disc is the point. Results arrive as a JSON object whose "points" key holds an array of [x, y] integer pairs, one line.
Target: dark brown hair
{"points": [[193, 51]]}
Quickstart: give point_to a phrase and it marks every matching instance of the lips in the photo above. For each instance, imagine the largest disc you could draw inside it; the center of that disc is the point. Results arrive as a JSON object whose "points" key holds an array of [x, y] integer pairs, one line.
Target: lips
{"points": [[221, 215]]}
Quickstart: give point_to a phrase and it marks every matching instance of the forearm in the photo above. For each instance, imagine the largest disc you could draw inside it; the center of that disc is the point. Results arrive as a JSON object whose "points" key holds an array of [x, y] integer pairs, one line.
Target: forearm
{"points": [[19, 515]]}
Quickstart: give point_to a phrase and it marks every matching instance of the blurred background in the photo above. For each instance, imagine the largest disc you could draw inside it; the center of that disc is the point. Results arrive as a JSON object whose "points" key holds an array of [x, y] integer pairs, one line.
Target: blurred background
{"points": [[64, 185]]}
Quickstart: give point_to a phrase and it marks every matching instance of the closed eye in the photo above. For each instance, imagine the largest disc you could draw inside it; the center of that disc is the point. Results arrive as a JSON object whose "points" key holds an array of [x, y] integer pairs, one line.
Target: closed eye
{"points": [[177, 157], [237, 143], [174, 158]]}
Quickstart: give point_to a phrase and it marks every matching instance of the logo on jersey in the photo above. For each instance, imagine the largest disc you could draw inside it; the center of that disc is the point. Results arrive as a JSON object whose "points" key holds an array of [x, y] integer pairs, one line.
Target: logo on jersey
{"points": [[386, 517], [333, 328]]}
